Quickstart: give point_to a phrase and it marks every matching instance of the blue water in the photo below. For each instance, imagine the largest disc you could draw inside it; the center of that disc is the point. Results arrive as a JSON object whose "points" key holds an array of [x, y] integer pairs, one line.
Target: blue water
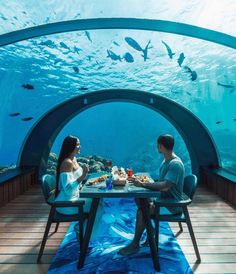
{"points": [[116, 228], [64, 65]]}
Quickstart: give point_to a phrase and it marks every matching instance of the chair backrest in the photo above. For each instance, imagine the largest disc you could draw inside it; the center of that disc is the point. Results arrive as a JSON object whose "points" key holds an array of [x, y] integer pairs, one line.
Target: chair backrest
{"points": [[190, 185], [48, 184]]}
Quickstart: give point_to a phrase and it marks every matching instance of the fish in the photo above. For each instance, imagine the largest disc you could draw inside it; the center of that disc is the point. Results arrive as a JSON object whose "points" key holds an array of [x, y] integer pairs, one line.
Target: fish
{"points": [[48, 43], [82, 88], [128, 57], [218, 122], [189, 93], [76, 69], [89, 57], [192, 72], [14, 114], [115, 43], [225, 85], [113, 56], [77, 50], [169, 51], [181, 59], [63, 45], [145, 51], [27, 119], [88, 36], [27, 86], [134, 44], [234, 119], [3, 17]]}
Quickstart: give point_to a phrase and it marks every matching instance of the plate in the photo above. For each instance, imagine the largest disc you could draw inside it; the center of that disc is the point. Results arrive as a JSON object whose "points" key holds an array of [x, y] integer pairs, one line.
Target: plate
{"points": [[96, 180]]}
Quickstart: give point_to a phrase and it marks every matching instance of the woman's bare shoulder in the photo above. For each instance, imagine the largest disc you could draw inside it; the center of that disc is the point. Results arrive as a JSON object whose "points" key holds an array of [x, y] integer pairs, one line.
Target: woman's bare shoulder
{"points": [[66, 165]]}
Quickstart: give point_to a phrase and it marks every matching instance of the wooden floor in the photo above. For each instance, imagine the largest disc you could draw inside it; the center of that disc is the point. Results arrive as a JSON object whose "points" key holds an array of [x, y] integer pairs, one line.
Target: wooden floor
{"points": [[23, 220]]}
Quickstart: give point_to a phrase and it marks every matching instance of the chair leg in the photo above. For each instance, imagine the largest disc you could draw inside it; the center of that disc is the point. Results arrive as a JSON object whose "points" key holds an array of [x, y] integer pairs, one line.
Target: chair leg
{"points": [[56, 228], [180, 227], [49, 222], [81, 227], [190, 228]]}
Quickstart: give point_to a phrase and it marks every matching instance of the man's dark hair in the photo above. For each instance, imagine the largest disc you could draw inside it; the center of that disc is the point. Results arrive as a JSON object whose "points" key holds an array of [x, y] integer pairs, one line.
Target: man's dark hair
{"points": [[167, 141]]}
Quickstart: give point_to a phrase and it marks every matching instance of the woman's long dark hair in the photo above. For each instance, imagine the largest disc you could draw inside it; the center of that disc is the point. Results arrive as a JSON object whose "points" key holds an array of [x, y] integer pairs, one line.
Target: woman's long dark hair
{"points": [[68, 146]]}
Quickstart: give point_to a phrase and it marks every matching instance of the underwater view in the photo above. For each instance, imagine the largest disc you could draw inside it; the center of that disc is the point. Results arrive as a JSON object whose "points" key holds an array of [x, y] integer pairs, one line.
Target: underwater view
{"points": [[117, 136], [39, 73]]}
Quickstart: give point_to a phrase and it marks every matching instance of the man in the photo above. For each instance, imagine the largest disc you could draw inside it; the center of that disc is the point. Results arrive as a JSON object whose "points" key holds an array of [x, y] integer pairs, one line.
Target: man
{"points": [[170, 184]]}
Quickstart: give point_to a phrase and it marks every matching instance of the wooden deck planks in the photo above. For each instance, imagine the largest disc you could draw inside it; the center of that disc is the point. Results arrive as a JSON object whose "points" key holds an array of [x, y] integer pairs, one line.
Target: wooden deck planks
{"points": [[22, 223], [214, 223]]}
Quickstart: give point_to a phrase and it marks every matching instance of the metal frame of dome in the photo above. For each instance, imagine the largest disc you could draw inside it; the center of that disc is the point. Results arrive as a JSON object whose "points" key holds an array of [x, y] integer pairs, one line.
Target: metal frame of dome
{"points": [[39, 141], [119, 23]]}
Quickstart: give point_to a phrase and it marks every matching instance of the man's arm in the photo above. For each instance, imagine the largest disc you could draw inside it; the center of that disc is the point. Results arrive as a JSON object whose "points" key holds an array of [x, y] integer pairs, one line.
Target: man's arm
{"points": [[161, 185]]}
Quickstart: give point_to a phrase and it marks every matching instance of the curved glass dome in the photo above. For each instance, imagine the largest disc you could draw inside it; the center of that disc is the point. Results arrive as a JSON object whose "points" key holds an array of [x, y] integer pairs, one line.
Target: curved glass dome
{"points": [[39, 73], [216, 15]]}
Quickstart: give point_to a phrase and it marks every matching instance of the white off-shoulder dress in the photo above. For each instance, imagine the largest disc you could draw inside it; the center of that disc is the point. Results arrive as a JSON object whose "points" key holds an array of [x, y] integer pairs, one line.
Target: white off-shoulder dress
{"points": [[69, 191]]}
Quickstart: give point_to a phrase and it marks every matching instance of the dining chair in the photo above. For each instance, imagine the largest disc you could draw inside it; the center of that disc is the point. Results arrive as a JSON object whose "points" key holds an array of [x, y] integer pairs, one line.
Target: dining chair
{"points": [[48, 185], [189, 188]]}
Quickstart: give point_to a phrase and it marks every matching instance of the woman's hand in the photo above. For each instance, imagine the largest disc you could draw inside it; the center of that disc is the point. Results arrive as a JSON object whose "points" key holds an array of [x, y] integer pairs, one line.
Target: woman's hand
{"points": [[85, 169]]}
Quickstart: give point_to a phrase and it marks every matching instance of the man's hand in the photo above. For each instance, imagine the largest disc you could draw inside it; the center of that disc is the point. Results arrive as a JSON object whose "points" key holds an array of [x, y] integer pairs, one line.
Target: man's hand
{"points": [[137, 183]]}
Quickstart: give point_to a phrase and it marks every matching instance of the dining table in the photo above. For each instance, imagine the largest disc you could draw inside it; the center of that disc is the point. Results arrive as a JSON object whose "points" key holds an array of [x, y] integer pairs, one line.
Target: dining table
{"points": [[99, 191]]}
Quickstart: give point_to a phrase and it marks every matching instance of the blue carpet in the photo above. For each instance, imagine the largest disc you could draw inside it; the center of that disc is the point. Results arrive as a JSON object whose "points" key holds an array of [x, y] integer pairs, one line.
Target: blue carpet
{"points": [[116, 228]]}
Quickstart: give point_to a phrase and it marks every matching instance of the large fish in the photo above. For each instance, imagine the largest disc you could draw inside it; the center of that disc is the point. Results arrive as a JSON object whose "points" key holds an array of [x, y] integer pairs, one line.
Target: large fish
{"points": [[113, 56], [169, 51], [193, 73], [181, 59], [134, 44]]}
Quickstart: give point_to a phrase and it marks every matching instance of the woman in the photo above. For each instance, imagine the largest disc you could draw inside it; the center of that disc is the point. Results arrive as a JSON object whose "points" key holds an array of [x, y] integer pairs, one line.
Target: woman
{"points": [[69, 175]]}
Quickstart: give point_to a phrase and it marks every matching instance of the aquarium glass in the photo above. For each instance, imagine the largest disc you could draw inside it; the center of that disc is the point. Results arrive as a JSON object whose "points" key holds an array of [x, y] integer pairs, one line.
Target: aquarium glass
{"points": [[38, 74]]}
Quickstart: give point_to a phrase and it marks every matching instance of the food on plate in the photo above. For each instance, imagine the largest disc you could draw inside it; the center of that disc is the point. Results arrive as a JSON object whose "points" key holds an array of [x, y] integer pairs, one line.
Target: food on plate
{"points": [[97, 180], [119, 176], [143, 178]]}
